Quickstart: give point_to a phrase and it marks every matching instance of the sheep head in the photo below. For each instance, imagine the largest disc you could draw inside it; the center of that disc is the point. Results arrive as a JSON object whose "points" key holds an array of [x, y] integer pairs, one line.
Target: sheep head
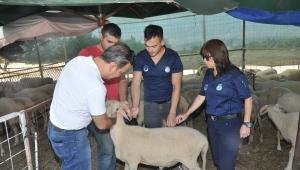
{"points": [[276, 107], [263, 110], [122, 107]]}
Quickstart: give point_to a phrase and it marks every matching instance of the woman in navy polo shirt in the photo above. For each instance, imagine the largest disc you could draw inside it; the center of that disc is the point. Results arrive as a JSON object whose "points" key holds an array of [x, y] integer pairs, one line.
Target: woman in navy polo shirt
{"points": [[226, 91]]}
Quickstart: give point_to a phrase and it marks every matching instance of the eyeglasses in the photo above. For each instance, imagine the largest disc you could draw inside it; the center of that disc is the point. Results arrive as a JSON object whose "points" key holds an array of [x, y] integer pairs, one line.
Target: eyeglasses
{"points": [[206, 57]]}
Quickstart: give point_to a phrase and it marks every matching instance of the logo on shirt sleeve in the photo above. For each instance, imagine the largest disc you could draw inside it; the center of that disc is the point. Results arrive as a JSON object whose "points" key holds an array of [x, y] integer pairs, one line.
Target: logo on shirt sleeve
{"points": [[205, 87], [146, 68], [244, 83], [219, 87], [167, 69]]}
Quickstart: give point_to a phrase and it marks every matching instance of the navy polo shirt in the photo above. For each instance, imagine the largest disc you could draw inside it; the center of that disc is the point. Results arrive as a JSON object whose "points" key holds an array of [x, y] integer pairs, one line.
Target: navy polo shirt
{"points": [[158, 78], [226, 94]]}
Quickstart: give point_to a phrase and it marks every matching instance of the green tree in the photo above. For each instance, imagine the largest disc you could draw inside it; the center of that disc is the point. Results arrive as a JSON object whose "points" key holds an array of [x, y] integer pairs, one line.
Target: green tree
{"points": [[135, 45], [53, 50]]}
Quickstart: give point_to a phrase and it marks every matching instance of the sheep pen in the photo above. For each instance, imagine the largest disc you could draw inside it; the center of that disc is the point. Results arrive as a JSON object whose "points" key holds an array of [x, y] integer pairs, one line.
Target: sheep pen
{"points": [[258, 156]]}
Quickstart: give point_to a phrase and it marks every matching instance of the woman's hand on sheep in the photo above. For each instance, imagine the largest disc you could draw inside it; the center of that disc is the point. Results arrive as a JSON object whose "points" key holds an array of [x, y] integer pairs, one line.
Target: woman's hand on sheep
{"points": [[134, 111], [244, 131], [181, 118]]}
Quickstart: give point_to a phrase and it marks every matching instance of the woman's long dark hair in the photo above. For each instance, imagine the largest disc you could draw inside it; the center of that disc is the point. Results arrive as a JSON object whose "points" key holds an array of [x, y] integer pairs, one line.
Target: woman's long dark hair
{"points": [[218, 51]]}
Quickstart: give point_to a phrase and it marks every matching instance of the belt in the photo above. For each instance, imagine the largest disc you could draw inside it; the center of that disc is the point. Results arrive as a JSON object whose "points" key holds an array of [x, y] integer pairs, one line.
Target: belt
{"points": [[224, 117], [59, 129], [161, 102]]}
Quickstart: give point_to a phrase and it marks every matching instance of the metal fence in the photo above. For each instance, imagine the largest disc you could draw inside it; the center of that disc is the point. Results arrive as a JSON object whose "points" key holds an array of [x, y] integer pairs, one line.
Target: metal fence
{"points": [[34, 152], [32, 77]]}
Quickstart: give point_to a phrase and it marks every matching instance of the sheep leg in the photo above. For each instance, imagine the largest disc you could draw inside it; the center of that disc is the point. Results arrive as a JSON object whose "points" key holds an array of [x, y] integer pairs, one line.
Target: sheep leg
{"points": [[203, 156], [279, 137], [260, 128], [15, 129], [133, 166], [45, 117], [252, 129], [291, 156], [2, 149], [126, 166]]}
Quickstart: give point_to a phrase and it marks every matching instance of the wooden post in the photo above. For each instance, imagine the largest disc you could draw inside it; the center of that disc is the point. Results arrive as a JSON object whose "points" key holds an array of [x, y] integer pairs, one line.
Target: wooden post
{"points": [[39, 60]]}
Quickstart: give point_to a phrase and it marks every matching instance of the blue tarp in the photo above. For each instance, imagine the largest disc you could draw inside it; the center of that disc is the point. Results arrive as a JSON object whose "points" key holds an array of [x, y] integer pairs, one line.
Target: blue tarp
{"points": [[265, 17]]}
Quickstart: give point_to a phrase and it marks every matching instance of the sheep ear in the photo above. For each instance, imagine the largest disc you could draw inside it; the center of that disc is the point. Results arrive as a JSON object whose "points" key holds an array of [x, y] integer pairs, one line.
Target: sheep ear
{"points": [[111, 107], [262, 110]]}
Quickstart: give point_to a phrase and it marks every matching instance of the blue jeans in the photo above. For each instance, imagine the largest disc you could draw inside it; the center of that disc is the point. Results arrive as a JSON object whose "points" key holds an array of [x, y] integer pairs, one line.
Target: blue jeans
{"points": [[72, 147], [105, 149], [154, 114]]}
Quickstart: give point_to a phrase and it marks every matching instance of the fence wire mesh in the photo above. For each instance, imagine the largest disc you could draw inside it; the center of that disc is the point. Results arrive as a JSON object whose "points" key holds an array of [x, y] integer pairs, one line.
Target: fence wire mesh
{"points": [[41, 155], [31, 77]]}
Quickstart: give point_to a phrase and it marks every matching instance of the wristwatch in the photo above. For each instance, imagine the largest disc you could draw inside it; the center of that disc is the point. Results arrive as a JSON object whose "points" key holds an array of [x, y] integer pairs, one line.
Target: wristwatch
{"points": [[248, 124]]}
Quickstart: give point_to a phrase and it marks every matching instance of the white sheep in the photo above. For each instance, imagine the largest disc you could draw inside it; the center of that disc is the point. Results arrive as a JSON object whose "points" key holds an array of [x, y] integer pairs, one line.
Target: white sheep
{"points": [[290, 102], [292, 85], [266, 72], [286, 124], [270, 95], [277, 77], [35, 94], [9, 105], [293, 74], [162, 147], [32, 82]]}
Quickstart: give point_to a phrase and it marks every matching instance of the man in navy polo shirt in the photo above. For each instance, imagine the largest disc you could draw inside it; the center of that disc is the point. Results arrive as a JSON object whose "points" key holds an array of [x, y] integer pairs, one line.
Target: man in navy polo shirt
{"points": [[161, 70]]}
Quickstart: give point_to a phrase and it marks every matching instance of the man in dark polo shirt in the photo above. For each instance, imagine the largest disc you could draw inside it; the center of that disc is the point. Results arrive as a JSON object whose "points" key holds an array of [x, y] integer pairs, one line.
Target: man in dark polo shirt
{"points": [[161, 70]]}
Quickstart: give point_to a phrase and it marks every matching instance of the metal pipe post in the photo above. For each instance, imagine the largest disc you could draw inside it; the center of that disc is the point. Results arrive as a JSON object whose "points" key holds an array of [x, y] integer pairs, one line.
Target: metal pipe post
{"points": [[296, 159]]}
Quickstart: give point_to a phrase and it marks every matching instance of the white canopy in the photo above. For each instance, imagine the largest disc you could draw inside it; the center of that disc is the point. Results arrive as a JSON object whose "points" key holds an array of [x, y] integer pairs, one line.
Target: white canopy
{"points": [[45, 25]]}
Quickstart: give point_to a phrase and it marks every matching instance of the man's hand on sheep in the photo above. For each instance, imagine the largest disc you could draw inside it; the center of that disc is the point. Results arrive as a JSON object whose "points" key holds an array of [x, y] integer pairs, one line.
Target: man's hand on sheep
{"points": [[244, 131], [171, 121], [125, 105], [134, 111], [181, 118]]}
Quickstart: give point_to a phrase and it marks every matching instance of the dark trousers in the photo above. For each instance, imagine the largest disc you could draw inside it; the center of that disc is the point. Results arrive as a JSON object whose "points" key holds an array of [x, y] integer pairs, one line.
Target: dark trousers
{"points": [[224, 136], [154, 114]]}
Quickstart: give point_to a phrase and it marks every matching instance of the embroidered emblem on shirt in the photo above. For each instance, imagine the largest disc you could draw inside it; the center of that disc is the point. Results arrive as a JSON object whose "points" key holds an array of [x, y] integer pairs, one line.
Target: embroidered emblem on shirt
{"points": [[205, 87], [244, 83], [146, 68], [219, 87], [167, 69]]}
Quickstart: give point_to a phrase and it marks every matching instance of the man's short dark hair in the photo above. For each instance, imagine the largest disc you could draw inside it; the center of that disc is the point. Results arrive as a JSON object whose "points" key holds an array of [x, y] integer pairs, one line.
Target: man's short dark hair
{"points": [[152, 31], [112, 29], [120, 53]]}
